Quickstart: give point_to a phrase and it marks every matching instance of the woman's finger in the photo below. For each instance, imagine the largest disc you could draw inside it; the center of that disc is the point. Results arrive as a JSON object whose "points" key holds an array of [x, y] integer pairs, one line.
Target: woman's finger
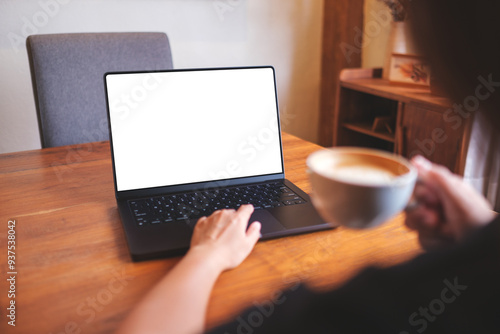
{"points": [[423, 218], [243, 214]]}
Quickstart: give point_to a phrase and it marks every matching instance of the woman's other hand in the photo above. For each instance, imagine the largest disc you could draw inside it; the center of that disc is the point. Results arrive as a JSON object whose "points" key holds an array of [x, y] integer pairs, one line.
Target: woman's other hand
{"points": [[448, 209]]}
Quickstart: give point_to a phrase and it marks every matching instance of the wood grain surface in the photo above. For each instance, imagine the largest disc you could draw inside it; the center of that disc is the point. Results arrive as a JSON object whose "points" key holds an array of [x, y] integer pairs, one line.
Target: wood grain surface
{"points": [[74, 273], [341, 47]]}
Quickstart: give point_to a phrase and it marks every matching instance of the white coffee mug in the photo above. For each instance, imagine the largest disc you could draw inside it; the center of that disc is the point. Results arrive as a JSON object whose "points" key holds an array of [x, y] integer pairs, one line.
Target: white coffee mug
{"points": [[359, 187]]}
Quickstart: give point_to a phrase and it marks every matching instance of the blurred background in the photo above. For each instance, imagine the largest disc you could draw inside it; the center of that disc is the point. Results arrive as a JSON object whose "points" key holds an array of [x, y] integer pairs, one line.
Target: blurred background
{"points": [[203, 33]]}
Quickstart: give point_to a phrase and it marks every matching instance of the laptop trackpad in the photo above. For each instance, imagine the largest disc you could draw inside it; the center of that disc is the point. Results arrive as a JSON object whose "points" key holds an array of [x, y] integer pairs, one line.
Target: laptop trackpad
{"points": [[267, 220]]}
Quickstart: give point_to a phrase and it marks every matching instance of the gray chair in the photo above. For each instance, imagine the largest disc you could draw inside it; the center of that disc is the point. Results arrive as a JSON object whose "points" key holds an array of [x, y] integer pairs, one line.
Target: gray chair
{"points": [[68, 84]]}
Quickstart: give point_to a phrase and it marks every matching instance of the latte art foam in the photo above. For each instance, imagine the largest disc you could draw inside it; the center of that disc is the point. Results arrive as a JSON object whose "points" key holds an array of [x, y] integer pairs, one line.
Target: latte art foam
{"points": [[371, 175]]}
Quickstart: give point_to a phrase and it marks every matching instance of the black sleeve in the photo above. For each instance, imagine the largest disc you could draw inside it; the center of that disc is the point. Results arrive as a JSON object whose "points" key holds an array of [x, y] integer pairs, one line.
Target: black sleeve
{"points": [[453, 291]]}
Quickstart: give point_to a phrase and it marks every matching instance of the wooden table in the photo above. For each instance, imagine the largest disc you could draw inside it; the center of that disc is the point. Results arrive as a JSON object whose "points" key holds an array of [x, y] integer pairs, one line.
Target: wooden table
{"points": [[74, 273]]}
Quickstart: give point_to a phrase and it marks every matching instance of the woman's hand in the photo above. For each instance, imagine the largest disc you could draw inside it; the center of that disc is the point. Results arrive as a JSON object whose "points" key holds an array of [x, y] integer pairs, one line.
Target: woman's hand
{"points": [[448, 208], [223, 237]]}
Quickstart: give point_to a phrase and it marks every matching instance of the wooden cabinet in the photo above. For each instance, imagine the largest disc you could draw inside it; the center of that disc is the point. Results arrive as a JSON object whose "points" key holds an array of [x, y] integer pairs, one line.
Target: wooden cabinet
{"points": [[371, 112]]}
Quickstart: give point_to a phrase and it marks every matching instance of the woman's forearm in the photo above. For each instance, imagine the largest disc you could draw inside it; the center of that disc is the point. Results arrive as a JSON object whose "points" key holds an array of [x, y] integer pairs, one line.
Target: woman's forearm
{"points": [[178, 303]]}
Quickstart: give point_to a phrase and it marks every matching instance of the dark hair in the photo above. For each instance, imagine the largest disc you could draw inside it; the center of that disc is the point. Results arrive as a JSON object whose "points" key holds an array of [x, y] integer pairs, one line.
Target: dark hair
{"points": [[462, 42]]}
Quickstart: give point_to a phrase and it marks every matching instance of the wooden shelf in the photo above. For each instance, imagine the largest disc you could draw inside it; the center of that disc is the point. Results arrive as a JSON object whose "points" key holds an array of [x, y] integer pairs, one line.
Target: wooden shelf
{"points": [[384, 88], [419, 118], [367, 130]]}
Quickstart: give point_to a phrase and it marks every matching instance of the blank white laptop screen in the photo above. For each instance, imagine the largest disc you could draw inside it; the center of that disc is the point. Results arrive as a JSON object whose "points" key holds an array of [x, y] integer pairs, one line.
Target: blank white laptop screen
{"points": [[179, 127]]}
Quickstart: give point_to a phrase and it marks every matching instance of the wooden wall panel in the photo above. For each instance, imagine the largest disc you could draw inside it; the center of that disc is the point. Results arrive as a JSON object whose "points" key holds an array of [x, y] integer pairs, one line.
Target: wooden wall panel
{"points": [[342, 38]]}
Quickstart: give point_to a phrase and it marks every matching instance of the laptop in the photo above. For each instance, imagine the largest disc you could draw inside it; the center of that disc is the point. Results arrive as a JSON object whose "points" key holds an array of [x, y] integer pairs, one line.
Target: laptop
{"points": [[187, 142]]}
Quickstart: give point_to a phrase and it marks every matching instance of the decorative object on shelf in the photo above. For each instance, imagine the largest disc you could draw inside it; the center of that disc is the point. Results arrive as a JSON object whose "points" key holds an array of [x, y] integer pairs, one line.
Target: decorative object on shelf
{"points": [[399, 40], [398, 9], [384, 124], [409, 69]]}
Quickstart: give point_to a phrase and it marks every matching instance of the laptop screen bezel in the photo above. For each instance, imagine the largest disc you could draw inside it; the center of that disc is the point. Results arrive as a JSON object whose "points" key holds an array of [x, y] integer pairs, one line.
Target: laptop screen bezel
{"points": [[196, 186]]}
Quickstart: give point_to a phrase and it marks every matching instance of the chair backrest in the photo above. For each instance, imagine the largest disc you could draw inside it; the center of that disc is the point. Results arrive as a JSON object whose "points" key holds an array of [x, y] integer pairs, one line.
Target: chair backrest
{"points": [[67, 72]]}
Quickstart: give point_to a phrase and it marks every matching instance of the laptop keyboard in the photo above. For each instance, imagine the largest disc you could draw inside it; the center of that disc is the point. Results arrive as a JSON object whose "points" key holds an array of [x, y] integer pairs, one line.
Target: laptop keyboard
{"points": [[170, 208]]}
